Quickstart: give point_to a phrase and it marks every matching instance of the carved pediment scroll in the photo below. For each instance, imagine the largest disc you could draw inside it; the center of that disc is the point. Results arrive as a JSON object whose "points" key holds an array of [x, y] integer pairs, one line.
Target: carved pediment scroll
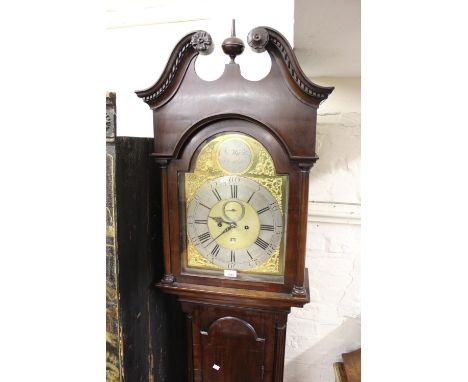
{"points": [[260, 39]]}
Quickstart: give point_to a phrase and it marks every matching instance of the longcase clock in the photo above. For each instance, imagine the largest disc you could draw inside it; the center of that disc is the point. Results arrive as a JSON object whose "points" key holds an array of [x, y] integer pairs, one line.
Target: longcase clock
{"points": [[234, 157]]}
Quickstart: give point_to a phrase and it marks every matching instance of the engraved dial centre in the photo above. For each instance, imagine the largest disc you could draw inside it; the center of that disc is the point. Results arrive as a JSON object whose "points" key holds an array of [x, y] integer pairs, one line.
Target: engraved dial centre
{"points": [[240, 213]]}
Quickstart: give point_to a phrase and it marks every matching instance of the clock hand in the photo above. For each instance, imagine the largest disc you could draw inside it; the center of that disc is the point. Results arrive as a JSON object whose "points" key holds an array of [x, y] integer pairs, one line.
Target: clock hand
{"points": [[231, 226], [218, 219]]}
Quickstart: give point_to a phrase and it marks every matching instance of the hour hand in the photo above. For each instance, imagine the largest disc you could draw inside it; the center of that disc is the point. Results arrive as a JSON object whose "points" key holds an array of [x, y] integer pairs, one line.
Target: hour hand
{"points": [[218, 219]]}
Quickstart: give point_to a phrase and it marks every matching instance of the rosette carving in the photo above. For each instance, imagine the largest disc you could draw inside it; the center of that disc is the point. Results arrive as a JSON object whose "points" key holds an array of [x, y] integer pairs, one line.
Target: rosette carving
{"points": [[257, 39], [265, 38], [202, 42]]}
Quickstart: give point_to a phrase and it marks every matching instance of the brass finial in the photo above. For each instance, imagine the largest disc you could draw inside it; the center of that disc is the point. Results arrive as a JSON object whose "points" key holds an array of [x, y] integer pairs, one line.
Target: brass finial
{"points": [[233, 46]]}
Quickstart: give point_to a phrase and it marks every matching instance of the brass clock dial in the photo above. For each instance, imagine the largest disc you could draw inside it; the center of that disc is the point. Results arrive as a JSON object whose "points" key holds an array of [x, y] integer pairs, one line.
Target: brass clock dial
{"points": [[234, 222], [235, 208]]}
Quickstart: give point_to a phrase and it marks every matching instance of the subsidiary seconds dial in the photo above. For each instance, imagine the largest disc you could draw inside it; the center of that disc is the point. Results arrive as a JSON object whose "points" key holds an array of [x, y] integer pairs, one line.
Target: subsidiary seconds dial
{"points": [[234, 222]]}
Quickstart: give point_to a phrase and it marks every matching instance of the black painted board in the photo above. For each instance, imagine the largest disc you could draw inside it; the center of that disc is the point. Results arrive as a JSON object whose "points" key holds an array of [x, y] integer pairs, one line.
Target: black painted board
{"points": [[153, 329]]}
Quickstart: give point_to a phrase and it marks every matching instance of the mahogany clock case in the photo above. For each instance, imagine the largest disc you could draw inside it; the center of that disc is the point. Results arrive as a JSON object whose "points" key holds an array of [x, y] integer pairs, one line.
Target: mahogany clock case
{"points": [[227, 318]]}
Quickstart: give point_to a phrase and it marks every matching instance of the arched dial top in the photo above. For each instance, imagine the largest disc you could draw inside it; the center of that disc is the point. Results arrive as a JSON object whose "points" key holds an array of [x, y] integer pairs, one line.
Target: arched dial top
{"points": [[235, 207]]}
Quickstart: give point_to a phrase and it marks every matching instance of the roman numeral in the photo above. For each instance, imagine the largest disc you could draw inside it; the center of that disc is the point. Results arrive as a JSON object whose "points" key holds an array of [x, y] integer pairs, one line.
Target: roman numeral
{"points": [[201, 204], [201, 221], [248, 253], [234, 191], [266, 227], [251, 196], [261, 243], [216, 194], [263, 210], [215, 250], [233, 257], [204, 237]]}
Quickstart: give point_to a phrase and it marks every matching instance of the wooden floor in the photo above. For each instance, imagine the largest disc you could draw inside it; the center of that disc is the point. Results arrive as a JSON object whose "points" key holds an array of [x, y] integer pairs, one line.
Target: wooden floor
{"points": [[350, 369]]}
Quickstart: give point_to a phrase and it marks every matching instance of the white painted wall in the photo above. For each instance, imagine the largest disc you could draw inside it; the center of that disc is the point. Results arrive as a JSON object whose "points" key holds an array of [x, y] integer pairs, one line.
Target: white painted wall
{"points": [[330, 324], [140, 36]]}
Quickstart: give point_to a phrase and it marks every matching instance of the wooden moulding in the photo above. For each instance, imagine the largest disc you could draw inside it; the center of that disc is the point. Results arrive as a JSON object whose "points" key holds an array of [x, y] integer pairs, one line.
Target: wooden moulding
{"points": [[200, 42], [285, 102], [243, 298]]}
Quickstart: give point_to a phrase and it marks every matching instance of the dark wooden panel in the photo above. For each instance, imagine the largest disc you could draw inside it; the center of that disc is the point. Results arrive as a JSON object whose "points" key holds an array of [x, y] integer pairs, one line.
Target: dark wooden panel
{"points": [[292, 121], [133, 248], [153, 330], [222, 360], [247, 344]]}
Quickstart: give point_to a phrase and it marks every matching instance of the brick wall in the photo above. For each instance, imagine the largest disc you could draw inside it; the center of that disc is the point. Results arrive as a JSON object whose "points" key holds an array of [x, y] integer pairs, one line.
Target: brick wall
{"points": [[330, 324]]}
